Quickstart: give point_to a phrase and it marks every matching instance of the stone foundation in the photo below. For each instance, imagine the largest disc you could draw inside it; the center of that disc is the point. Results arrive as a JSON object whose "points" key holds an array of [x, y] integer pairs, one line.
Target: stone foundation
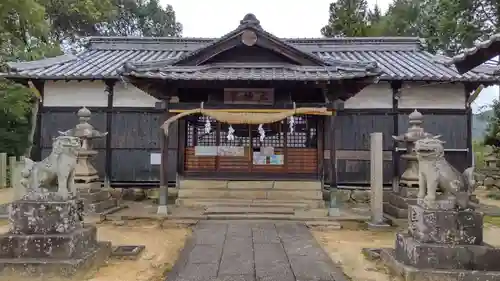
{"points": [[443, 245], [48, 238], [97, 201], [397, 203]]}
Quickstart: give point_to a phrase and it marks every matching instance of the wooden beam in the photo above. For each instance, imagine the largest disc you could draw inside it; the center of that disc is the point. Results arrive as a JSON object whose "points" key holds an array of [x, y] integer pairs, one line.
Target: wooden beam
{"points": [[395, 89], [110, 89], [36, 153]]}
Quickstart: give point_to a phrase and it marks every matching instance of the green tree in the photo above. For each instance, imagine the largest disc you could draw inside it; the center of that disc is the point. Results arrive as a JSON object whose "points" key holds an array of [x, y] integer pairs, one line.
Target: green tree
{"points": [[141, 18], [347, 18]]}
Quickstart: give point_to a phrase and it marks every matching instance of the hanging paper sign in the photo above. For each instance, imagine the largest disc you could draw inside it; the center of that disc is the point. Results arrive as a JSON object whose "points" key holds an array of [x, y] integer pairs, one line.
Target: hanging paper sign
{"points": [[235, 151], [205, 150], [259, 159], [276, 160], [267, 151], [155, 158]]}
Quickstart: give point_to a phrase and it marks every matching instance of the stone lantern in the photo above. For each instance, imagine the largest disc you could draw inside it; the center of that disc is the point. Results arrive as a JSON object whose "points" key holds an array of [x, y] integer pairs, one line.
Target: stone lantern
{"points": [[96, 200], [86, 175], [404, 194], [409, 178]]}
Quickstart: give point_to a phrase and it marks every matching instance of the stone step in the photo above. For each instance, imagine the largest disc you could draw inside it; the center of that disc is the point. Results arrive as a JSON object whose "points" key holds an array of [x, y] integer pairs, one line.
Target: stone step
{"points": [[400, 201], [249, 185], [271, 194], [394, 211], [295, 204], [249, 210]]}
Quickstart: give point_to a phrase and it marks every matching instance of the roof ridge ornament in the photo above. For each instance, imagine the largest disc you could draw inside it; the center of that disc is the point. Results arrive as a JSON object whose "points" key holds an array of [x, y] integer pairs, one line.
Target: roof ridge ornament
{"points": [[250, 20]]}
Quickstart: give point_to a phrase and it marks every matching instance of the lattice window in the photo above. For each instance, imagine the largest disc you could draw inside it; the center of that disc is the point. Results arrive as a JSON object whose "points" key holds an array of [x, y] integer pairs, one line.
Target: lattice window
{"points": [[241, 137], [304, 134], [274, 135]]}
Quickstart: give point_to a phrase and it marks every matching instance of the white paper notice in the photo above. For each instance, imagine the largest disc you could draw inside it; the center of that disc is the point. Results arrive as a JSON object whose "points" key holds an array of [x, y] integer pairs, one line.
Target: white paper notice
{"points": [[155, 158]]}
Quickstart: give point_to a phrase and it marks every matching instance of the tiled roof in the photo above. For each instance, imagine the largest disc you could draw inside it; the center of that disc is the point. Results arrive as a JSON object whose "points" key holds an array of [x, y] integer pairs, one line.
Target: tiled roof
{"points": [[477, 55], [398, 58], [238, 71]]}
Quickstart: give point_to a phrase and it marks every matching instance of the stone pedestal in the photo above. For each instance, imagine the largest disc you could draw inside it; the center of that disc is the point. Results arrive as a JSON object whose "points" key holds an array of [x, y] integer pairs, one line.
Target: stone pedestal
{"points": [[397, 202], [84, 170], [97, 201], [443, 245], [47, 238]]}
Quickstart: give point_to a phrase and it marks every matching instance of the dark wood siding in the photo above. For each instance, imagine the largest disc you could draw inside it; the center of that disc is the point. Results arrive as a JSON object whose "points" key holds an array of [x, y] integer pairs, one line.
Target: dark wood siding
{"points": [[62, 120], [135, 135], [352, 138]]}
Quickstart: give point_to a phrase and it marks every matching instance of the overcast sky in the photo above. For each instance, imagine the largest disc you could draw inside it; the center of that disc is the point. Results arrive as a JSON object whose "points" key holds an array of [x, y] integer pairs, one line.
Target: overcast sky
{"points": [[283, 18]]}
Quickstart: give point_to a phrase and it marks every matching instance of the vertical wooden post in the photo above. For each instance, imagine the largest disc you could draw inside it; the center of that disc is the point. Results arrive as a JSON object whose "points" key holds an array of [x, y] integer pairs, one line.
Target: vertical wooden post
{"points": [[396, 88], [468, 109], [3, 170], [36, 153], [333, 208], [110, 89], [163, 200]]}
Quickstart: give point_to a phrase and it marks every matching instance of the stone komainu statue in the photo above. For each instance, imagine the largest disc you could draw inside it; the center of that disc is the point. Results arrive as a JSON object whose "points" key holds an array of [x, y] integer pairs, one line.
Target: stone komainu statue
{"points": [[436, 174], [56, 172]]}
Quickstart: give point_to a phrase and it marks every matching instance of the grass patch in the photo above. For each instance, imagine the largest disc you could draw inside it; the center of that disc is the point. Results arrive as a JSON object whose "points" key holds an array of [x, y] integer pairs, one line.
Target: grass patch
{"points": [[495, 195], [492, 220], [3, 222]]}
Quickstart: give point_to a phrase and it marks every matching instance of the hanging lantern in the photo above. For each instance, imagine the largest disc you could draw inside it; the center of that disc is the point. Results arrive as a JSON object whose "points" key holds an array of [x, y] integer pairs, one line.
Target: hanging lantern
{"points": [[262, 133], [291, 124], [208, 126], [230, 133]]}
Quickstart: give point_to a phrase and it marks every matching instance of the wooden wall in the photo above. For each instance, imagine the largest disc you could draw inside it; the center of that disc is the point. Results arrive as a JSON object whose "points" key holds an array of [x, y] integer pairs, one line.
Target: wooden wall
{"points": [[352, 137], [135, 134]]}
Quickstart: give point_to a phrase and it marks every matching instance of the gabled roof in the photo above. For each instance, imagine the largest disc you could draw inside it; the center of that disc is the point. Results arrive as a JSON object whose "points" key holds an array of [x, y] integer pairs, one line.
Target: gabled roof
{"points": [[248, 25], [477, 55], [399, 58]]}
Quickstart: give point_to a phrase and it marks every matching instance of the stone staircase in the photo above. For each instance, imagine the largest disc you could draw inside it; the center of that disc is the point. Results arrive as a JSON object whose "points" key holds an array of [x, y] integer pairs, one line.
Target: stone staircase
{"points": [[259, 199]]}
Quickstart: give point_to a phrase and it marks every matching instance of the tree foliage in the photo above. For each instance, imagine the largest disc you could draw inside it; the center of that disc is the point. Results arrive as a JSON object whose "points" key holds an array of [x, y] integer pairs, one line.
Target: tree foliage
{"points": [[36, 29], [141, 18], [448, 26]]}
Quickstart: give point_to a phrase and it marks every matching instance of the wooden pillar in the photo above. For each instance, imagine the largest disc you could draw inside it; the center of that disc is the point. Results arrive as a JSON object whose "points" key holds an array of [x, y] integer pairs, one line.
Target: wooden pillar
{"points": [[468, 112], [163, 200], [36, 153], [396, 92], [110, 89], [333, 208]]}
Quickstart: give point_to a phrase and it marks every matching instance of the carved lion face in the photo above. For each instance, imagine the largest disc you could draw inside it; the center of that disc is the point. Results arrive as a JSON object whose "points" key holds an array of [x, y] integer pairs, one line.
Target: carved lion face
{"points": [[429, 148], [67, 144]]}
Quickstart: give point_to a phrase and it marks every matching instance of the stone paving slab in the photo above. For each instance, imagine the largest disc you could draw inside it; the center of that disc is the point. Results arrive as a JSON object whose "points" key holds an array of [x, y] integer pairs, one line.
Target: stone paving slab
{"points": [[249, 251]]}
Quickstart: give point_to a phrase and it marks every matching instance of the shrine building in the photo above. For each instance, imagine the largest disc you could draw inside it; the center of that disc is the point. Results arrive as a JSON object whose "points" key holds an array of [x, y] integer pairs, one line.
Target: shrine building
{"points": [[274, 108]]}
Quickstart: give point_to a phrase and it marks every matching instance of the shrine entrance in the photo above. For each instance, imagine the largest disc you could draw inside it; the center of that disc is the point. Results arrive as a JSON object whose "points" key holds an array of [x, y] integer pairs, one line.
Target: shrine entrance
{"points": [[283, 149]]}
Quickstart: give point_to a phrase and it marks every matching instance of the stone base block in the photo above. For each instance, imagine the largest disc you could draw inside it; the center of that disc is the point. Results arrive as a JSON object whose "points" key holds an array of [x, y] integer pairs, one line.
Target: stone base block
{"points": [[445, 226], [400, 201], [38, 217], [397, 205], [58, 246], [88, 187], [445, 256], [54, 269], [410, 273], [395, 212], [98, 201], [101, 207]]}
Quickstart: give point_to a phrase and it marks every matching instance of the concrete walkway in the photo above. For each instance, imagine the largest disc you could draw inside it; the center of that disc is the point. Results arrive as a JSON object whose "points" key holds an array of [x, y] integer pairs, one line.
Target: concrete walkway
{"points": [[246, 251]]}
